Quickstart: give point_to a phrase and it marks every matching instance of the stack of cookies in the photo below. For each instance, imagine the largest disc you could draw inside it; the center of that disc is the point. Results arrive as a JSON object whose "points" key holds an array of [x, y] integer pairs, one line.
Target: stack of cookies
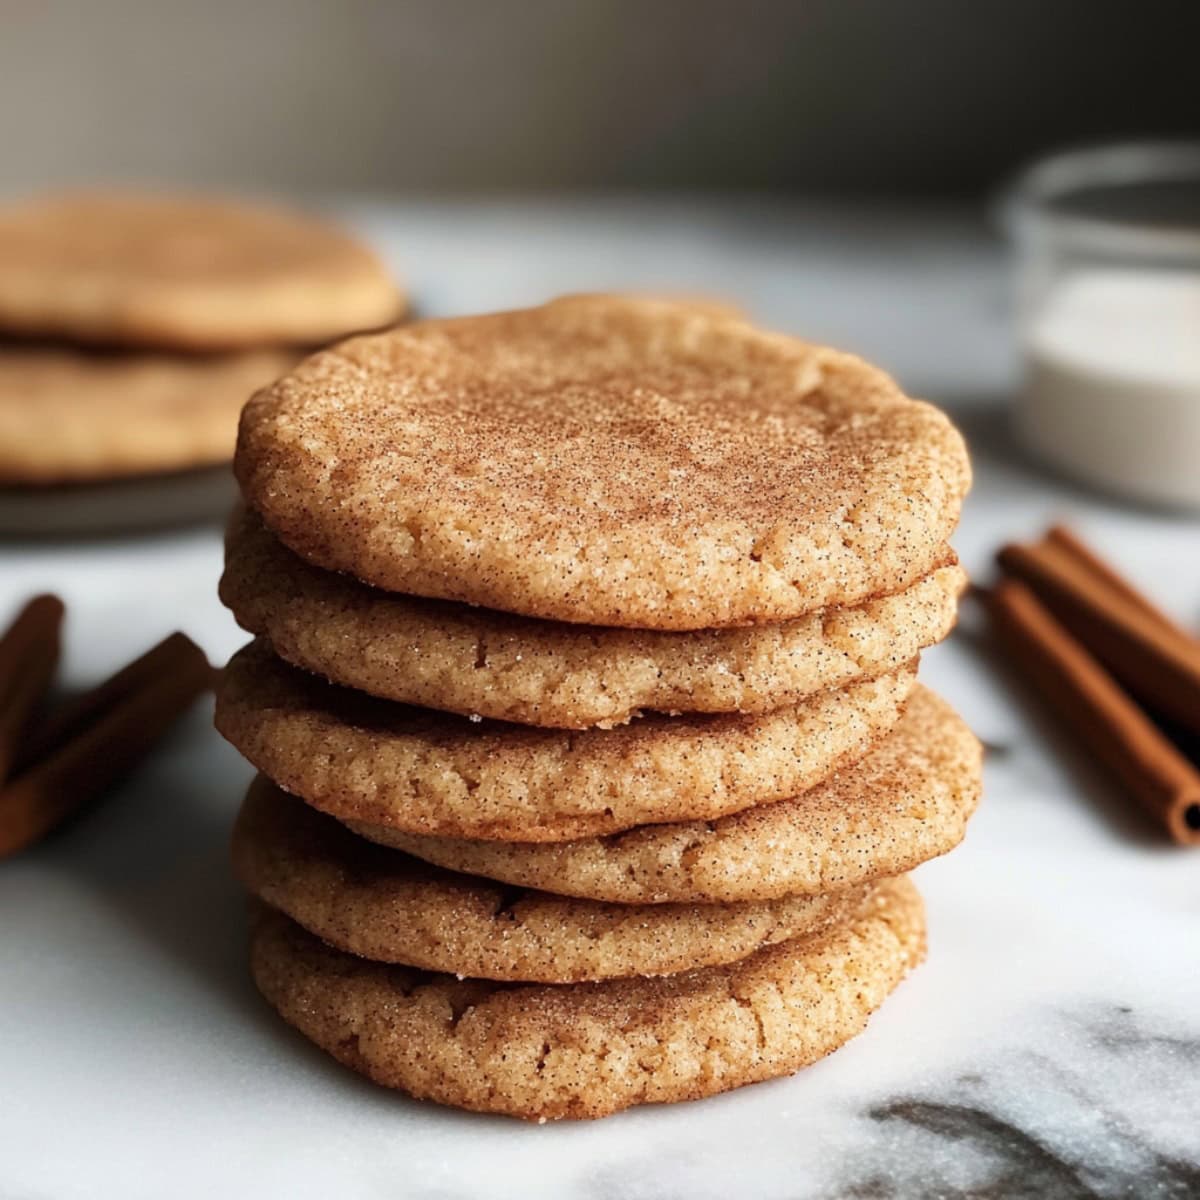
{"points": [[584, 699], [134, 326]]}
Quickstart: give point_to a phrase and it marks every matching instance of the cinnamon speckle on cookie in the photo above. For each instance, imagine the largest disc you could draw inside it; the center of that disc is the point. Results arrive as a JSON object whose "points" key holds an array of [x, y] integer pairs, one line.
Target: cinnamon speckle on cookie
{"points": [[610, 461]]}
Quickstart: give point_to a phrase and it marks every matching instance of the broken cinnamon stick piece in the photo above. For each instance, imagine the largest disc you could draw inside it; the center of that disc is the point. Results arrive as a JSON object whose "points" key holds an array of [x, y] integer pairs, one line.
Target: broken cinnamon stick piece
{"points": [[1149, 654], [74, 717], [1088, 698], [29, 653], [97, 739]]}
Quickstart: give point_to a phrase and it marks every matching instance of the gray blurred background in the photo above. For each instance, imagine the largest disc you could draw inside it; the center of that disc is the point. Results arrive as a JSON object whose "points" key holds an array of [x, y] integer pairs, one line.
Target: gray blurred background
{"points": [[886, 97]]}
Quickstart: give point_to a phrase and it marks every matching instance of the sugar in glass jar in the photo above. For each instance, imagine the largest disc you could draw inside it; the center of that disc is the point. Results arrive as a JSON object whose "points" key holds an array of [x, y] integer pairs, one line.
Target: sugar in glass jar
{"points": [[1108, 273]]}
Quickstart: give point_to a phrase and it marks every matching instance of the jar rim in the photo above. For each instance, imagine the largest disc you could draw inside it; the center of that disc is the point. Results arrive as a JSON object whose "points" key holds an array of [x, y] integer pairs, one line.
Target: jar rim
{"points": [[1028, 204]]}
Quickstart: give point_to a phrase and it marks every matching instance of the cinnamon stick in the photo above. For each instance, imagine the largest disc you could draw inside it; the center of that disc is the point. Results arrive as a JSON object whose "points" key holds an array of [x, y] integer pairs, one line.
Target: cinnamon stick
{"points": [[95, 740], [1149, 654], [29, 653], [1086, 696], [1072, 545]]}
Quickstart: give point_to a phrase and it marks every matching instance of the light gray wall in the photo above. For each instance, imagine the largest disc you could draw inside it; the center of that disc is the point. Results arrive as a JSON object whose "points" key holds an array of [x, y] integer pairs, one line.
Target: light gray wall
{"points": [[882, 95]]}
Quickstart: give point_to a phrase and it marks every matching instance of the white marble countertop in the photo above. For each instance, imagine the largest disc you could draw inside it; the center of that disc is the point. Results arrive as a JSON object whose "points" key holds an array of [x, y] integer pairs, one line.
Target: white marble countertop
{"points": [[1049, 1047]]}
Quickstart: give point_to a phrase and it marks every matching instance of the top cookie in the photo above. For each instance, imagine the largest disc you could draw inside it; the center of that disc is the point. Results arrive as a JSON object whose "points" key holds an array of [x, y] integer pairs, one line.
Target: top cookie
{"points": [[605, 460], [184, 273]]}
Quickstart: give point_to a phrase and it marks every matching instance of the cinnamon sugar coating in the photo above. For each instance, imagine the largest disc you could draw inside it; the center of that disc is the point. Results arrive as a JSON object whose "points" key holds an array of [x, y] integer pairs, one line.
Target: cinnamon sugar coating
{"points": [[586, 1050], [450, 656], [183, 272], [907, 801], [414, 770], [70, 416], [389, 907], [610, 461]]}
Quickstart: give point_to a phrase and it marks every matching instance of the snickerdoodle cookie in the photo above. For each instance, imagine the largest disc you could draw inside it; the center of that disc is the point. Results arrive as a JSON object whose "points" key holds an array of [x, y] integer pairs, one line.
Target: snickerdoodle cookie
{"points": [[451, 656], [907, 801], [585, 1050], [67, 415], [608, 461], [183, 273], [387, 906], [414, 770]]}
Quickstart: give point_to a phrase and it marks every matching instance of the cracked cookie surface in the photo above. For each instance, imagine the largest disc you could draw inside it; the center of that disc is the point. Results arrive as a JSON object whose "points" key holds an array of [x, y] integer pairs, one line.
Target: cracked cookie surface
{"points": [[387, 906], [411, 769], [907, 801], [543, 1052]]}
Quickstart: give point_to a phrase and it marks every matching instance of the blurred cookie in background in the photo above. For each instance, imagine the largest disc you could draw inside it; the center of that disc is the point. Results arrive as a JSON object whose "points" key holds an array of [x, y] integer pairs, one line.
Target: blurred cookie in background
{"points": [[134, 326], [69, 415], [184, 273]]}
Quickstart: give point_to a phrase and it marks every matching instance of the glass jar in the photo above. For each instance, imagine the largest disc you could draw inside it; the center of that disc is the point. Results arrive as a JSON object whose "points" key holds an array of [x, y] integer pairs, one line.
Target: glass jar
{"points": [[1108, 276]]}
